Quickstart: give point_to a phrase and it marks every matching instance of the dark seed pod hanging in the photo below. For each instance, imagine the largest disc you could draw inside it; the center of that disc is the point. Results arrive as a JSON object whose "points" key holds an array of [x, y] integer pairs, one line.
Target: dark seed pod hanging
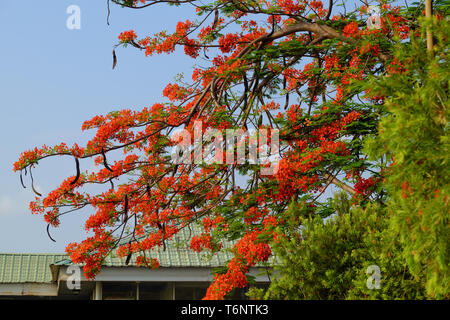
{"points": [[48, 233], [21, 180]]}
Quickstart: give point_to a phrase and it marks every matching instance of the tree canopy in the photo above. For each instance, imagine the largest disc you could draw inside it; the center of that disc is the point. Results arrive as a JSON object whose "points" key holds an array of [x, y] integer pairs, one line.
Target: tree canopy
{"points": [[323, 79]]}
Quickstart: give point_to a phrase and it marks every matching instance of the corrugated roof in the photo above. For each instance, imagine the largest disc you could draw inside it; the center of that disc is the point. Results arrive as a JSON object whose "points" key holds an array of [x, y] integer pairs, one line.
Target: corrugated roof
{"points": [[27, 267], [35, 267], [176, 254]]}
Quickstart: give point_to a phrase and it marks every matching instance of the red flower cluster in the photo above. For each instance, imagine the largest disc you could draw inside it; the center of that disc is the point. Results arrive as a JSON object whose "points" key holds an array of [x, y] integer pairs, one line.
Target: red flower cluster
{"points": [[365, 186], [127, 36], [351, 29], [223, 283], [252, 249], [209, 223], [203, 241], [228, 42], [291, 7]]}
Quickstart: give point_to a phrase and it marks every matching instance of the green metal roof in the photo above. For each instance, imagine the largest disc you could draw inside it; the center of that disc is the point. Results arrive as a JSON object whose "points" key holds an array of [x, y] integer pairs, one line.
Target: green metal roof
{"points": [[169, 258], [176, 254], [27, 267], [35, 267]]}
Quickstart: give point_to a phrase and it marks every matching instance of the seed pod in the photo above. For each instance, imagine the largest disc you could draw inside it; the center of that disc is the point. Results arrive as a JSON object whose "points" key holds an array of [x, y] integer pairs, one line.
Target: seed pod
{"points": [[21, 180], [48, 233], [114, 59]]}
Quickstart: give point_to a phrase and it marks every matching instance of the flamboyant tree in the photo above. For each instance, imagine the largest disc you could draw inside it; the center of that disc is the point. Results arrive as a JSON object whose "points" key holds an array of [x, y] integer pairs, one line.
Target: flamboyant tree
{"points": [[287, 65]]}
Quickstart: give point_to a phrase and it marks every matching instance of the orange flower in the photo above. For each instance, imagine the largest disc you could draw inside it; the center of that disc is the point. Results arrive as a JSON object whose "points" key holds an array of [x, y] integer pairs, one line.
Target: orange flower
{"points": [[127, 36]]}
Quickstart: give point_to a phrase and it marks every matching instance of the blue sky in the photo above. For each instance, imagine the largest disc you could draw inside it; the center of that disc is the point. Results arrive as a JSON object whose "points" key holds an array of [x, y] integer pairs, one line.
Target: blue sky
{"points": [[51, 80]]}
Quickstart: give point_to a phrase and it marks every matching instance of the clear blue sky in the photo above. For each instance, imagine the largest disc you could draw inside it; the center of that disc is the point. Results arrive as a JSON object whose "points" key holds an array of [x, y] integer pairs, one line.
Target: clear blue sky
{"points": [[51, 80]]}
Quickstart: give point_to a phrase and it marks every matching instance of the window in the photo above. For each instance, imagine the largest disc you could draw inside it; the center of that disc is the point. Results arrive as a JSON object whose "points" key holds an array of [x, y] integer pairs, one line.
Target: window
{"points": [[119, 291], [155, 291], [190, 291]]}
